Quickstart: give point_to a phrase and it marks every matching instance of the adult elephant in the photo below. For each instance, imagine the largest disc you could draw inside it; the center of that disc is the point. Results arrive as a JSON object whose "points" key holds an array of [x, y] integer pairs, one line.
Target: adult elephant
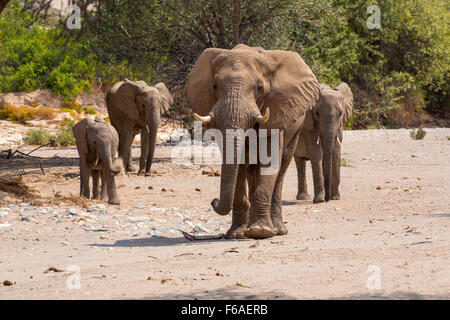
{"points": [[320, 142], [232, 89], [133, 107]]}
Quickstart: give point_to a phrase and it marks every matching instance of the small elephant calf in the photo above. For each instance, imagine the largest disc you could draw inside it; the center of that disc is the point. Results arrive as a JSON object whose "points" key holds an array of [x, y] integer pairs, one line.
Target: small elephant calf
{"points": [[97, 143]]}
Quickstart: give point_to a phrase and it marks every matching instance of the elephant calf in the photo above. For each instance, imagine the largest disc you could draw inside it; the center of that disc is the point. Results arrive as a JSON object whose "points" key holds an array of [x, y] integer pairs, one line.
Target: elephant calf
{"points": [[97, 143], [320, 141]]}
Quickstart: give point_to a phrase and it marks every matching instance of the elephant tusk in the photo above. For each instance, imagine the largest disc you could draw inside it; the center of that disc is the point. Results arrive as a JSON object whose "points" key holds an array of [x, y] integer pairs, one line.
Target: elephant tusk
{"points": [[260, 119], [318, 140], [206, 119], [147, 128], [338, 141]]}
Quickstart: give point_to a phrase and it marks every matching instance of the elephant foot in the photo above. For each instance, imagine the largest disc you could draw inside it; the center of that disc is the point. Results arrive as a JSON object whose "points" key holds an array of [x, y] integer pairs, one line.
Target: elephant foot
{"points": [[114, 201], [279, 226], [318, 199], [303, 196], [236, 232], [260, 229], [335, 196], [131, 168]]}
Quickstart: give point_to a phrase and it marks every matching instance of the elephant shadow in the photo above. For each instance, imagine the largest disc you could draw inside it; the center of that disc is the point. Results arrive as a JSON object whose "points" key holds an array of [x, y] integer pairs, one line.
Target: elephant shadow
{"points": [[155, 241]]}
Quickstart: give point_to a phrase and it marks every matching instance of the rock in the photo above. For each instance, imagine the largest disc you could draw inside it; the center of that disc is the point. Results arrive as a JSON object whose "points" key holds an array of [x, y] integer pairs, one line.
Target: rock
{"points": [[91, 208], [201, 228], [5, 225], [3, 213], [139, 206], [24, 204], [24, 218], [69, 211]]}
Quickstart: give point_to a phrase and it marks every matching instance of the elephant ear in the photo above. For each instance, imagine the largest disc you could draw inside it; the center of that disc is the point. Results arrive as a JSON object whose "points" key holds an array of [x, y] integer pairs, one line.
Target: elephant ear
{"points": [[166, 97], [347, 105], [125, 95], [294, 89], [198, 88], [79, 132]]}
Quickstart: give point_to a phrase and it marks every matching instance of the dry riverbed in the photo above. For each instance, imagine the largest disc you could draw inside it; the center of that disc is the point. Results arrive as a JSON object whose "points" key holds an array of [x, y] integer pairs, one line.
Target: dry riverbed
{"points": [[388, 236]]}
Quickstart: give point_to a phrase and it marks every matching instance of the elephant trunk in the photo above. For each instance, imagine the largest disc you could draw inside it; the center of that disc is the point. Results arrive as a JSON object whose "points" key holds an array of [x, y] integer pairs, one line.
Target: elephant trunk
{"points": [[227, 181], [105, 155], [327, 160]]}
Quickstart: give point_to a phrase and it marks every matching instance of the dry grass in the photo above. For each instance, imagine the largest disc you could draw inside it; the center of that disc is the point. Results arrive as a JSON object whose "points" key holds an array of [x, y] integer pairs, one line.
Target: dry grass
{"points": [[22, 114], [17, 187]]}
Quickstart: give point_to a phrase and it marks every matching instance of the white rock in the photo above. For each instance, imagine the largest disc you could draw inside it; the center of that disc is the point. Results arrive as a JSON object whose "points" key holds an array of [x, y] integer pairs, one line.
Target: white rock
{"points": [[201, 228]]}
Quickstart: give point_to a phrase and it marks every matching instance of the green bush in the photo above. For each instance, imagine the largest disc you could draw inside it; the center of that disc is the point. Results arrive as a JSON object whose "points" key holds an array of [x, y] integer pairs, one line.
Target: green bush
{"points": [[37, 57], [88, 110], [37, 137], [64, 137], [417, 135]]}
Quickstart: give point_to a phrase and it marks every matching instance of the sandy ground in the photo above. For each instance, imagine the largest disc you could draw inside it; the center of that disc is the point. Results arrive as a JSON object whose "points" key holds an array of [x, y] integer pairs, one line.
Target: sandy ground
{"points": [[388, 236]]}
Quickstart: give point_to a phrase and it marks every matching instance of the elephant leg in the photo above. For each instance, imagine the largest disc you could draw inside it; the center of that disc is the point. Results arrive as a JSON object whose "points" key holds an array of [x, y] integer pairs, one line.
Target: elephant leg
{"points": [[104, 191], [125, 142], [319, 190], [85, 171], [111, 189], [152, 142], [336, 170], [241, 207], [316, 154], [302, 193], [95, 184], [260, 224], [277, 200], [144, 150]]}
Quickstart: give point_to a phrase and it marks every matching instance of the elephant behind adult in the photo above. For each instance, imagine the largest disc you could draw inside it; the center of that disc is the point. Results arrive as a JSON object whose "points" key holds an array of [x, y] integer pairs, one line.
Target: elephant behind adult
{"points": [[235, 89], [133, 107], [320, 142]]}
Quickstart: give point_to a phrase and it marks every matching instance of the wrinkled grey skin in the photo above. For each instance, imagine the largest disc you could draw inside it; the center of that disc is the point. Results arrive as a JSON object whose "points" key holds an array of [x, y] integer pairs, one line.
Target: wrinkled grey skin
{"points": [[97, 143], [133, 107], [323, 124], [232, 89]]}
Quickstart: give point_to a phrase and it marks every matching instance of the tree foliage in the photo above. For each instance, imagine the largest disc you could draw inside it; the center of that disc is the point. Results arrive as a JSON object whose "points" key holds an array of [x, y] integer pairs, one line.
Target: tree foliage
{"points": [[403, 64]]}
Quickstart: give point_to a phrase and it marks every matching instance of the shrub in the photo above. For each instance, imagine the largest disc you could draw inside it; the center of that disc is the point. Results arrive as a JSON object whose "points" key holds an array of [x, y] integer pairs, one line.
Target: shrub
{"points": [[107, 119], [67, 122], [88, 110], [419, 135], [23, 114], [37, 137], [73, 105], [64, 137]]}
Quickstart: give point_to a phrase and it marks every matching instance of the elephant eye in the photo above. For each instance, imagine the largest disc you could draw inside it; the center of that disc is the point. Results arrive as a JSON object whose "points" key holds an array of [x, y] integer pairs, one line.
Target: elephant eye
{"points": [[214, 86], [260, 87]]}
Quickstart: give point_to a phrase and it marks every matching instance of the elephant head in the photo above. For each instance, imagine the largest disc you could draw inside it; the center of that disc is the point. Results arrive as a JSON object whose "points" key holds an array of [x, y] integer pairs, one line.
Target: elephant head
{"points": [[328, 118], [97, 140], [140, 101], [248, 87]]}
